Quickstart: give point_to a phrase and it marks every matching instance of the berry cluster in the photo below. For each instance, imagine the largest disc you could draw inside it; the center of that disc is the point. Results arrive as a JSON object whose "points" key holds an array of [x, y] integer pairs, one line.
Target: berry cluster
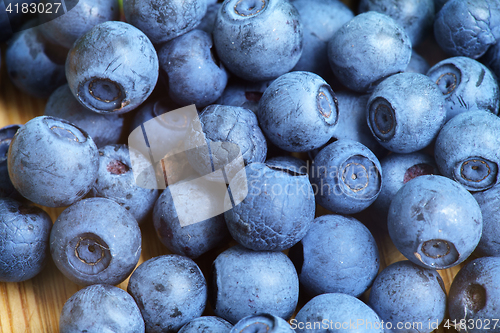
{"points": [[268, 145]]}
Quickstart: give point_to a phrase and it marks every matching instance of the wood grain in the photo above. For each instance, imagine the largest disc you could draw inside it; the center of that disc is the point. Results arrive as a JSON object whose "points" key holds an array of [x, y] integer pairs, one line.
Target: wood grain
{"points": [[34, 305]]}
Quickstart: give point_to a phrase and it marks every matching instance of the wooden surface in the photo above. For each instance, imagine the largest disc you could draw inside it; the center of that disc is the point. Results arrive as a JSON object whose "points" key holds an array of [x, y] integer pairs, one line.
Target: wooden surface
{"points": [[35, 305]]}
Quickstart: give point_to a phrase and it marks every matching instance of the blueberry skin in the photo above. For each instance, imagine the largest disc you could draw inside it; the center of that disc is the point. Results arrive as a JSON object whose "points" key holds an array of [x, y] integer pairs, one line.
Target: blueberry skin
{"points": [[84, 14], [475, 293], [247, 282], [404, 292], [104, 129], [34, 65], [229, 130], [298, 112], [352, 121], [7, 190], [258, 40], [207, 324], [467, 85], [289, 163], [324, 265], [398, 170], [13, 22], [113, 67], [327, 310], [405, 112], [490, 210], [207, 23], [163, 20], [243, 93], [277, 211], [417, 64], [117, 176], [357, 56], [194, 75], [194, 239], [262, 323], [492, 59], [148, 111], [100, 308], [438, 4], [170, 291], [24, 240], [434, 222], [415, 16], [346, 177], [320, 20], [95, 241], [52, 162], [467, 150], [467, 27]]}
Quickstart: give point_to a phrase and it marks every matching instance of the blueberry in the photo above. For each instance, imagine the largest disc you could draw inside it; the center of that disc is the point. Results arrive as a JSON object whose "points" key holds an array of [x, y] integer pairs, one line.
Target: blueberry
{"points": [[367, 49], [474, 296], [243, 93], [467, 27], [490, 211], [207, 23], [229, 131], [438, 4], [467, 151], [258, 40], [398, 170], [247, 282], [95, 241], [352, 121], [408, 298], [324, 265], [191, 240], [336, 313], [262, 323], [434, 222], [163, 140], [6, 187], [207, 324], [195, 75], [152, 108], [291, 163], [104, 129], [84, 14], [163, 20], [298, 112], [405, 112], [415, 16], [13, 20], [52, 162], [119, 181], [492, 59], [277, 210], [467, 85], [320, 19], [170, 291], [34, 65], [101, 308], [346, 177], [24, 240], [417, 64], [113, 67]]}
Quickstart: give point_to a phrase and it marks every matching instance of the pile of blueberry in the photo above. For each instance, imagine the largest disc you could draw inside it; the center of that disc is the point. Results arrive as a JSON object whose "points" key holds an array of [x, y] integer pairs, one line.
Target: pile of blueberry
{"points": [[322, 110]]}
